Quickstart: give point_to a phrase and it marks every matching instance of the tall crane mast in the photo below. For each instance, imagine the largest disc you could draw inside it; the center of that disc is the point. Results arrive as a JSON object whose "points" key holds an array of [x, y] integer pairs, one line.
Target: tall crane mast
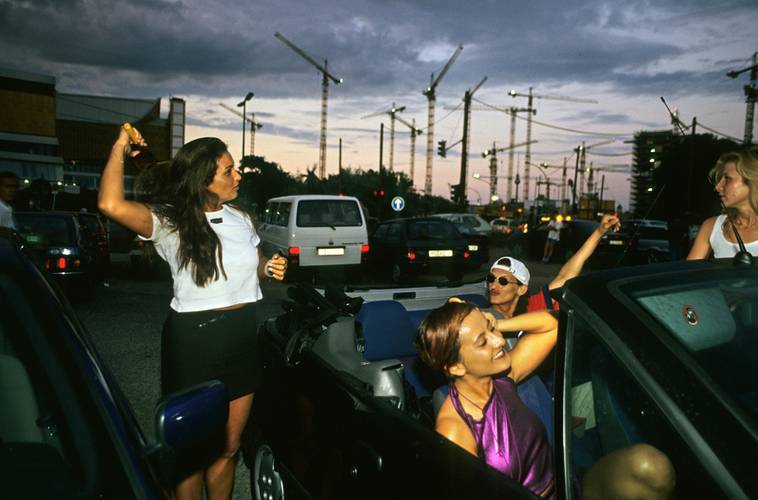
{"points": [[392, 112], [492, 153], [751, 93], [466, 139], [431, 96], [531, 111], [581, 159], [325, 77], [414, 132], [251, 120]]}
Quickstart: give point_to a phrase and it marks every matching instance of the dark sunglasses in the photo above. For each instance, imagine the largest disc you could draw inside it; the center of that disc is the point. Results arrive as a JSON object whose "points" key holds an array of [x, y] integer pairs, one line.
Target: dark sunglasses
{"points": [[502, 280]]}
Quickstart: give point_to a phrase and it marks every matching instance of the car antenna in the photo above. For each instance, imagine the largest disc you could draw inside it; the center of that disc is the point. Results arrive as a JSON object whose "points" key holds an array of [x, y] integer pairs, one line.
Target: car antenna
{"points": [[742, 257]]}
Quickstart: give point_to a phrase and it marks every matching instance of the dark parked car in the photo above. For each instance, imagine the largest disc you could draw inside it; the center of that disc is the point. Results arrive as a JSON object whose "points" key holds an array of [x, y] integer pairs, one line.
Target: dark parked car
{"points": [[478, 244], [67, 249], [407, 247], [638, 242], [573, 235], [662, 355], [66, 430]]}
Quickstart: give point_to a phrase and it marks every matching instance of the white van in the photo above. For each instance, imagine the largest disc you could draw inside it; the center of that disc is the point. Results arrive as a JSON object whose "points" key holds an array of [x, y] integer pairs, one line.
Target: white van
{"points": [[315, 230]]}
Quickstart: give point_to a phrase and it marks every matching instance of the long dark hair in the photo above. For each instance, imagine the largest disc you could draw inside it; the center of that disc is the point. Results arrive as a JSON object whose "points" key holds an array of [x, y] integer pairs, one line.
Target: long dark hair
{"points": [[177, 191]]}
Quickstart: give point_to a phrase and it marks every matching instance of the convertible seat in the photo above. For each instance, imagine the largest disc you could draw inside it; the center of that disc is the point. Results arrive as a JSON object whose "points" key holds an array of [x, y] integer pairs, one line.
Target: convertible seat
{"points": [[389, 333]]}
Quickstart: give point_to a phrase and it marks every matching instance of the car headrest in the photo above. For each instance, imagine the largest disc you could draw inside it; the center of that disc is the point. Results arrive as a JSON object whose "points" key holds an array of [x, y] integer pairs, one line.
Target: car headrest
{"points": [[387, 330]]}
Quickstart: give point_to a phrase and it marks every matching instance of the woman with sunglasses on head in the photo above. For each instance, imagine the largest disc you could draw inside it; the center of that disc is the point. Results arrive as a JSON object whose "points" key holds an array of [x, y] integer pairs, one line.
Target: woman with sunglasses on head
{"points": [[508, 279], [484, 415], [735, 179]]}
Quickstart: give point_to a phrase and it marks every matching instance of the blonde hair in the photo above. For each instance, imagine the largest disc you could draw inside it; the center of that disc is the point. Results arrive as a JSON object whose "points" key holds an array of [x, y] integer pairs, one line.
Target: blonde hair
{"points": [[746, 164]]}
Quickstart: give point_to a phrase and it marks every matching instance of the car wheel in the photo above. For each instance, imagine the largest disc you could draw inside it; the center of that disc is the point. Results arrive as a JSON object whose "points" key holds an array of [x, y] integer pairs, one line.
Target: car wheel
{"points": [[652, 257], [396, 273], [267, 482]]}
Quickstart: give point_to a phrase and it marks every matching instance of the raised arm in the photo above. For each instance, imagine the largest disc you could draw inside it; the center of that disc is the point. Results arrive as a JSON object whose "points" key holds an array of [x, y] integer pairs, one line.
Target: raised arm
{"points": [[541, 328], [574, 265], [701, 249], [111, 201]]}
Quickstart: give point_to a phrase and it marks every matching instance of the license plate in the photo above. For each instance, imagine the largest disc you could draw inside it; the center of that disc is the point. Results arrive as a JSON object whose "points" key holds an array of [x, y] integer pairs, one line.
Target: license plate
{"points": [[331, 251], [616, 242], [473, 248], [440, 253]]}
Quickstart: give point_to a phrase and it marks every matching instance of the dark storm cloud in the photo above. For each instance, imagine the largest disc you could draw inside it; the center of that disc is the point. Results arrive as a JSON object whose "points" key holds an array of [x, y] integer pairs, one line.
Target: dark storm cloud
{"points": [[227, 47]]}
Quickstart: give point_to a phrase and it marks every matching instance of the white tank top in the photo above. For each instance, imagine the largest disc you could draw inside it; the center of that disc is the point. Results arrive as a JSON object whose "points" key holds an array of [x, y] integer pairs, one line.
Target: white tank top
{"points": [[723, 248]]}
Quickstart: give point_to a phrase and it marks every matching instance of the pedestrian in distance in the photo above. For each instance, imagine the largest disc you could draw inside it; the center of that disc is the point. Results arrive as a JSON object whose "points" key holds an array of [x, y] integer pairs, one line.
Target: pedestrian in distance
{"points": [[8, 189], [554, 228], [216, 265], [735, 180], [484, 415]]}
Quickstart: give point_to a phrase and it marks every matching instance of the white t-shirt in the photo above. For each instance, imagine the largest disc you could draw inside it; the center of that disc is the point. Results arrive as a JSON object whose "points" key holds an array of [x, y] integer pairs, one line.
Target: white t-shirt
{"points": [[725, 248], [6, 216], [555, 227], [238, 246]]}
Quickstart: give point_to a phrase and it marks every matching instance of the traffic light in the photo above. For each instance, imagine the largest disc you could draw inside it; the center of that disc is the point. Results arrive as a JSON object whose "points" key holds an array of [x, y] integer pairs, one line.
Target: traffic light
{"points": [[441, 150], [455, 192]]}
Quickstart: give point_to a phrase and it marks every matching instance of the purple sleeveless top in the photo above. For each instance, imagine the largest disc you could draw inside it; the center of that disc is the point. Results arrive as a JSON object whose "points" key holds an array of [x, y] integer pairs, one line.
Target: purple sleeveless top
{"points": [[511, 438]]}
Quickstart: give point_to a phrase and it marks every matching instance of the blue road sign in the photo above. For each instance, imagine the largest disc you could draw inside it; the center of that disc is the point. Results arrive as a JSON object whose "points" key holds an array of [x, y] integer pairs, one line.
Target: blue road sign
{"points": [[397, 203]]}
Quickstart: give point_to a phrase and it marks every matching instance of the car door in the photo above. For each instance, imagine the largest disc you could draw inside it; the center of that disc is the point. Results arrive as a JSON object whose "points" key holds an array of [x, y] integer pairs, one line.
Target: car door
{"points": [[617, 395]]}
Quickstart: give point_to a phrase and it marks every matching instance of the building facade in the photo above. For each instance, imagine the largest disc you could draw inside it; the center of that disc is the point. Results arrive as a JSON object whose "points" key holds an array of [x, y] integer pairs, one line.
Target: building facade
{"points": [[648, 150]]}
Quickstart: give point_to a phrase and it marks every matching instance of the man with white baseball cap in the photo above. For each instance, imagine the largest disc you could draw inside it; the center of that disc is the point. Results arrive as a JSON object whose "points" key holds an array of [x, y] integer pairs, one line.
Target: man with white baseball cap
{"points": [[508, 279]]}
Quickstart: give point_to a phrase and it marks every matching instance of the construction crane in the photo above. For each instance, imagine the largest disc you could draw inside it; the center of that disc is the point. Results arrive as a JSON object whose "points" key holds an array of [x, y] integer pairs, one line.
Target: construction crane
{"points": [[414, 132], [625, 169], [581, 159], [251, 120], [392, 112], [751, 93], [492, 153], [431, 96], [326, 76], [466, 139], [531, 111]]}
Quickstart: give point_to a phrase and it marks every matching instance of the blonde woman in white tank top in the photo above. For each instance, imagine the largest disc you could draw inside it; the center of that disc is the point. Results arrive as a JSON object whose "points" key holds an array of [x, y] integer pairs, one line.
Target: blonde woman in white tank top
{"points": [[735, 179]]}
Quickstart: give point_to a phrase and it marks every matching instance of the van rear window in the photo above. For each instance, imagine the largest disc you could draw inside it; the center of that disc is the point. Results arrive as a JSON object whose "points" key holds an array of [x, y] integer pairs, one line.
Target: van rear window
{"points": [[328, 213]]}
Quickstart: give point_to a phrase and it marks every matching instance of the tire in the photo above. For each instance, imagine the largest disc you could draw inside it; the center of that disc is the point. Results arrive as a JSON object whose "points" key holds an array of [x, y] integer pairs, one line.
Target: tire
{"points": [[266, 482], [653, 257]]}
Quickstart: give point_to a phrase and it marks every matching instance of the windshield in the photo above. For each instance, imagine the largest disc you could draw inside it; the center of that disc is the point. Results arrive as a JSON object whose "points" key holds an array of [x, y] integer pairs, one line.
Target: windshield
{"points": [[718, 326], [432, 230]]}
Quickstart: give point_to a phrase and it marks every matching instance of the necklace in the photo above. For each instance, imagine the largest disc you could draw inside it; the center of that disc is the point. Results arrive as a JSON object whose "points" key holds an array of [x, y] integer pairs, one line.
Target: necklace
{"points": [[481, 408]]}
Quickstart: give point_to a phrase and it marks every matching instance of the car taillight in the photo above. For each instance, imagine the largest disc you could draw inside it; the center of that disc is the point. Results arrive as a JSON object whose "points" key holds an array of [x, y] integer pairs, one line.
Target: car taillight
{"points": [[466, 255], [411, 255], [47, 264], [61, 262], [294, 255], [365, 248]]}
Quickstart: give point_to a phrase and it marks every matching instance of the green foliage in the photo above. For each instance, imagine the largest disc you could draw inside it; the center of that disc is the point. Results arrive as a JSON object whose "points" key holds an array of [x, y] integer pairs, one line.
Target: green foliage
{"points": [[268, 180]]}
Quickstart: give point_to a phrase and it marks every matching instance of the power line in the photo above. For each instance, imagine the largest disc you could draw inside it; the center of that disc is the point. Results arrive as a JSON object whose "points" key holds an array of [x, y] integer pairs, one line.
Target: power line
{"points": [[709, 129]]}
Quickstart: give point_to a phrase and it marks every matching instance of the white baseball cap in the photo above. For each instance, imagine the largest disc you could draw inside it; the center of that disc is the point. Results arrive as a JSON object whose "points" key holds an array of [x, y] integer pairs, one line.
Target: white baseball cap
{"points": [[513, 266]]}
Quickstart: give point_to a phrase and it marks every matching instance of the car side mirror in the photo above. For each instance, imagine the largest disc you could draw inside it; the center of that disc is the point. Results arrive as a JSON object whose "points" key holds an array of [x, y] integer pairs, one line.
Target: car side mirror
{"points": [[186, 421]]}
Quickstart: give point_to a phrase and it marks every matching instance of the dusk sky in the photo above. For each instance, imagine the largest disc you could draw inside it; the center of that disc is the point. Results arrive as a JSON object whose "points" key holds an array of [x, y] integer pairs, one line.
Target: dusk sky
{"points": [[624, 54]]}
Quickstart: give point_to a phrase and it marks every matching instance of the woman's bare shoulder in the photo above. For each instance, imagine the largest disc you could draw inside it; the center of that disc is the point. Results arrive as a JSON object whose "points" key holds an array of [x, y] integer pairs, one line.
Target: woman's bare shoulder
{"points": [[450, 424]]}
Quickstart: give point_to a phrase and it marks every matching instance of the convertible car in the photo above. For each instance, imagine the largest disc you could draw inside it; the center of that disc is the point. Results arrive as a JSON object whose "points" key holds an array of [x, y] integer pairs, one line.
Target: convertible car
{"points": [[662, 354]]}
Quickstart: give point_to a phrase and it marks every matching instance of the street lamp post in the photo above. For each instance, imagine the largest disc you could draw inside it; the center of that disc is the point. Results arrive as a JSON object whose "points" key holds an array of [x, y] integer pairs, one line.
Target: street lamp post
{"points": [[243, 105]]}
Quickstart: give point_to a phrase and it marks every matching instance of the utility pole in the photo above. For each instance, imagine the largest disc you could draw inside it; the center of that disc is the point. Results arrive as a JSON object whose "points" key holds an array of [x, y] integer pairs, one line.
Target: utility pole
{"points": [[431, 97], [751, 93], [466, 138], [339, 172], [493, 171], [531, 111], [326, 76], [563, 186]]}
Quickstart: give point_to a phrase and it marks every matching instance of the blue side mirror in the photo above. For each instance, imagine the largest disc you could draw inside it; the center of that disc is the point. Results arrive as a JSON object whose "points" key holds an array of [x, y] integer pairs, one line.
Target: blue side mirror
{"points": [[189, 417]]}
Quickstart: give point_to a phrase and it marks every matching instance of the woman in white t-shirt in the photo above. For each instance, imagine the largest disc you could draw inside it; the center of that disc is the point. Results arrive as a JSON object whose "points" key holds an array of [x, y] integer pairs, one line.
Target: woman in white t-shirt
{"points": [[553, 236], [735, 179], [212, 250]]}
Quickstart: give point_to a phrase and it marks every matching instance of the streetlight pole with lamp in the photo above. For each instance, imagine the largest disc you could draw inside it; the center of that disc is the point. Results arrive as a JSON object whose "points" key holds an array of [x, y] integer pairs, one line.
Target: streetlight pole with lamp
{"points": [[243, 105]]}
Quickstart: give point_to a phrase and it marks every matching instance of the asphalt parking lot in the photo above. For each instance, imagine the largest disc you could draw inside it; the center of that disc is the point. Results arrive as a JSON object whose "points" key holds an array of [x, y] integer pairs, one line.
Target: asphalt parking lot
{"points": [[125, 320]]}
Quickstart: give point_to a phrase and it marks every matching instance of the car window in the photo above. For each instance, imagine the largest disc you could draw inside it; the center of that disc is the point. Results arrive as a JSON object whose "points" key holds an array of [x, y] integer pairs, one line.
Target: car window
{"points": [[328, 213], [432, 230], [610, 411], [55, 230], [93, 225], [717, 323], [395, 232], [269, 215], [381, 231], [470, 219], [282, 215]]}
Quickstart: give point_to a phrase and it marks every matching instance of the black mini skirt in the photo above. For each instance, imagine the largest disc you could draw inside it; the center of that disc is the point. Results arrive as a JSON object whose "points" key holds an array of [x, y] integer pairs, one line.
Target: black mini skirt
{"points": [[211, 345]]}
